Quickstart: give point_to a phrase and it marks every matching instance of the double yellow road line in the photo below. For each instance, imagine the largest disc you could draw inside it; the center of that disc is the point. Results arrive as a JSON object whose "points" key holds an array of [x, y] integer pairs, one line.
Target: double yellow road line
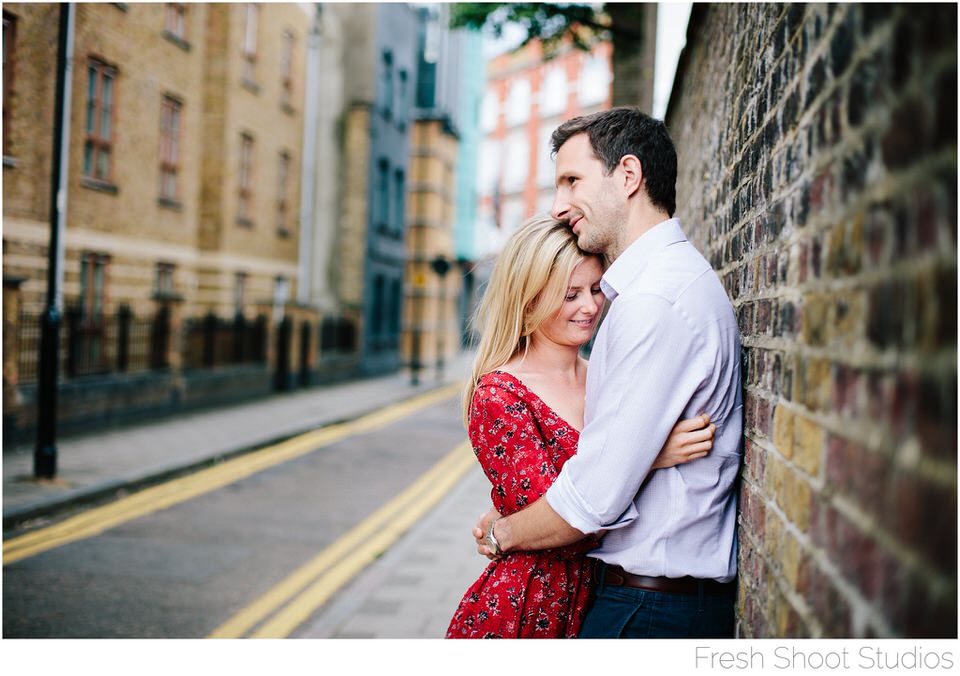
{"points": [[95, 521], [296, 598]]}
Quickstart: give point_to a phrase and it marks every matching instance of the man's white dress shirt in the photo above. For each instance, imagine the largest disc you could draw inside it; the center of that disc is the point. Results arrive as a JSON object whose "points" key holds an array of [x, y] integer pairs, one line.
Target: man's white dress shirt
{"points": [[668, 349]]}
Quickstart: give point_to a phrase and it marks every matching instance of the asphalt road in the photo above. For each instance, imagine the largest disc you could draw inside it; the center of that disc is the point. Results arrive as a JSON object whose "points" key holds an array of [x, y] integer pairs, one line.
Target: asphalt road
{"points": [[185, 570]]}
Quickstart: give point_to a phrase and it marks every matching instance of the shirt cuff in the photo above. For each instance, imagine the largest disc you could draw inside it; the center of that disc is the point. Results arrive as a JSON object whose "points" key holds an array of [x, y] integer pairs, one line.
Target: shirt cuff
{"points": [[563, 497]]}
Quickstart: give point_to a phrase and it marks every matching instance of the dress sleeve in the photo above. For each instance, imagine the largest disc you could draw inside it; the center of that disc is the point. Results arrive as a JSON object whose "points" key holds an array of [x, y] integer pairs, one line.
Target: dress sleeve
{"points": [[510, 447]]}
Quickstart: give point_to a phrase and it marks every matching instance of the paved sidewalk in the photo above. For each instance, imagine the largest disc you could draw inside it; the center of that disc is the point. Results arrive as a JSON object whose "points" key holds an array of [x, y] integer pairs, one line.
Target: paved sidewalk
{"points": [[92, 466], [413, 589]]}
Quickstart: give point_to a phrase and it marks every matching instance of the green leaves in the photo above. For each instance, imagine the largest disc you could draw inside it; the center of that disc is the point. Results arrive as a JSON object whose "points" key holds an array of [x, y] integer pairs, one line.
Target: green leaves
{"points": [[550, 23]]}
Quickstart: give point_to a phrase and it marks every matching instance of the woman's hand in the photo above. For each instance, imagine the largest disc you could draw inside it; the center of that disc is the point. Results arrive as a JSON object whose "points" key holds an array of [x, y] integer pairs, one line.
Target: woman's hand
{"points": [[689, 440]]}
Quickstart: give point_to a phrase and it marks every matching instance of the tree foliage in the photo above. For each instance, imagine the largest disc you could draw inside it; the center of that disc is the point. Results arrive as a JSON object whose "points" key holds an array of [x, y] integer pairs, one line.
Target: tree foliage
{"points": [[548, 22]]}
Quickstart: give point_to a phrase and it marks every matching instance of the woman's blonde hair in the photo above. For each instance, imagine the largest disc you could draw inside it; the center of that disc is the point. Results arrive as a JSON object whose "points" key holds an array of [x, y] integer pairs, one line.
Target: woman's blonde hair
{"points": [[527, 285]]}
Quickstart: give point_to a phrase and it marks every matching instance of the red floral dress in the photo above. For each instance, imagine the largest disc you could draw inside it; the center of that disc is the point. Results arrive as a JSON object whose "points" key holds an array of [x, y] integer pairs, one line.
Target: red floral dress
{"points": [[522, 444]]}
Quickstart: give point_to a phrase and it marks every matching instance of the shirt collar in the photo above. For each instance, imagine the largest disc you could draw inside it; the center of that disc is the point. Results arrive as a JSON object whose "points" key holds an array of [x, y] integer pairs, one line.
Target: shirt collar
{"points": [[636, 256]]}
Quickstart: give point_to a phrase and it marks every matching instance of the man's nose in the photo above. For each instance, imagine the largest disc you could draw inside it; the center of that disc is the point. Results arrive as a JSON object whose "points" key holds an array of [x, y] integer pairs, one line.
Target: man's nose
{"points": [[559, 209]]}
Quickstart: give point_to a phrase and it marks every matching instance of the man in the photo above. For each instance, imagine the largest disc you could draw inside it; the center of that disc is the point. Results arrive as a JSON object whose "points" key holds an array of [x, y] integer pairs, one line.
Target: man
{"points": [[669, 348]]}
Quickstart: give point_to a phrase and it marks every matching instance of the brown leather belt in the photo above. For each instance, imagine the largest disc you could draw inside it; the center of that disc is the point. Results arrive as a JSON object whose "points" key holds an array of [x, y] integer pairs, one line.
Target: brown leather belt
{"points": [[617, 576]]}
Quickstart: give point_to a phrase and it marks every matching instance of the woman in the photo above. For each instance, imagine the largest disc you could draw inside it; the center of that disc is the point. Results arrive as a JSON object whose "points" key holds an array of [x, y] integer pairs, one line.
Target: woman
{"points": [[523, 408]]}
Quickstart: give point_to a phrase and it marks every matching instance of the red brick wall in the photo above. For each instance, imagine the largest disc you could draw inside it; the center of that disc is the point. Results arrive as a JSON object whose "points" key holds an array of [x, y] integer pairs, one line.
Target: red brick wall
{"points": [[817, 151]]}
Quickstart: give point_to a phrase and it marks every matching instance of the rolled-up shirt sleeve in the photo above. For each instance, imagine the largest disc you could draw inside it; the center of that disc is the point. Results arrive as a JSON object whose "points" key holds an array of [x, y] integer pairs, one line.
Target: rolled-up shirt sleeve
{"points": [[652, 365]]}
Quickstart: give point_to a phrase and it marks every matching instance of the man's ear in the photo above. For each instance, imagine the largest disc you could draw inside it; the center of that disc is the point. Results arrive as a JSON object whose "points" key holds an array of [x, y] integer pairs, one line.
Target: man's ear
{"points": [[632, 174]]}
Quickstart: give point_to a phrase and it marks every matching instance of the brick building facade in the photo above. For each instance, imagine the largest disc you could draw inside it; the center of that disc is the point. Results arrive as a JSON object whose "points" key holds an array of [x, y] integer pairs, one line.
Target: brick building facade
{"points": [[182, 200], [817, 159], [526, 97], [162, 107]]}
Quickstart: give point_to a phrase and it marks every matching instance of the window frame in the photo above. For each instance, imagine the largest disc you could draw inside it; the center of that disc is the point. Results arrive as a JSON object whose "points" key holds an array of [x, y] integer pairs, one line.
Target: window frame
{"points": [[251, 30], [245, 179], [175, 20], [383, 207], [240, 280], [94, 140], [287, 40], [91, 262], [399, 201], [285, 161], [9, 75], [388, 84], [165, 285], [169, 152]]}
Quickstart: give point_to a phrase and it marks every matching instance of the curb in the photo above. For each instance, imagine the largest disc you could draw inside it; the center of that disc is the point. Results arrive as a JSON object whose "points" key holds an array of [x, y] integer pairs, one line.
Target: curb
{"points": [[104, 491]]}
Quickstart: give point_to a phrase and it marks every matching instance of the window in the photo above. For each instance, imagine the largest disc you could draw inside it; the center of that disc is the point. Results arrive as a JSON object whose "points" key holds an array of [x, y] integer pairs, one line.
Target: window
{"points": [[489, 111], [281, 290], [169, 146], [165, 279], [175, 21], [387, 93], [518, 102], [546, 170], [9, 47], [378, 303], [594, 80], [98, 146], [283, 204], [286, 67], [92, 283], [402, 99], [239, 291], [245, 210], [383, 196], [399, 217], [553, 92], [512, 214], [516, 161], [488, 169], [281, 293], [250, 42], [396, 298]]}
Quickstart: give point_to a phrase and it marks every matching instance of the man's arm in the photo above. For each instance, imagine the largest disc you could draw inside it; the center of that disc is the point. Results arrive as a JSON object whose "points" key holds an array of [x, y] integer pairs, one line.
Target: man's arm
{"points": [[540, 527], [644, 389], [535, 527]]}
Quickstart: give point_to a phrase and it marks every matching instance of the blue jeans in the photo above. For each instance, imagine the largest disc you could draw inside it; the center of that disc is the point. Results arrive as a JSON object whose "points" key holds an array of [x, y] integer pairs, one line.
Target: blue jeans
{"points": [[625, 612]]}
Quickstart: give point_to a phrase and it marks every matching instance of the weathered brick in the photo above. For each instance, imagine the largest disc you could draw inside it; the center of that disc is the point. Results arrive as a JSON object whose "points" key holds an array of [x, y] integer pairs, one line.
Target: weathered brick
{"points": [[857, 473], [857, 284], [808, 446], [816, 307], [926, 518], [783, 430], [794, 498]]}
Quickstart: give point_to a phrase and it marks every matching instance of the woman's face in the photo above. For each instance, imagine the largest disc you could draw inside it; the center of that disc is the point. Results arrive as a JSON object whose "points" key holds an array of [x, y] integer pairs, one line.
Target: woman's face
{"points": [[577, 316]]}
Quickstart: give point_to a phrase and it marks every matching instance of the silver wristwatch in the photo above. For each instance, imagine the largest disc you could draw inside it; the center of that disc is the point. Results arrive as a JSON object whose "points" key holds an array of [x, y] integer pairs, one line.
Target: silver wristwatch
{"points": [[491, 539]]}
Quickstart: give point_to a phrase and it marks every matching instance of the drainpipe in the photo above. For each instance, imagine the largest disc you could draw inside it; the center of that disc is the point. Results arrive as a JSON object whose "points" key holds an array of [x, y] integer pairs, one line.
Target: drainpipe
{"points": [[45, 452], [311, 110]]}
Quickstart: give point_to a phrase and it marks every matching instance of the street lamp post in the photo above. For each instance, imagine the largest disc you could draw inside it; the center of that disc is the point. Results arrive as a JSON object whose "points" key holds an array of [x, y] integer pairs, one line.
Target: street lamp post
{"points": [[441, 266], [45, 452]]}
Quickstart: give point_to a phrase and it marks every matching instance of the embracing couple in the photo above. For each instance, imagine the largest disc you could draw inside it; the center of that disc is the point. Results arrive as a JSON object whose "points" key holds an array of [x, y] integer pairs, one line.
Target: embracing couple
{"points": [[614, 509]]}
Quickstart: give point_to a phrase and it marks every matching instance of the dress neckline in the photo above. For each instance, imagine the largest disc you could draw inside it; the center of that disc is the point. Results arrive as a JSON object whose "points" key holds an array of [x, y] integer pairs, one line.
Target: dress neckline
{"points": [[537, 397]]}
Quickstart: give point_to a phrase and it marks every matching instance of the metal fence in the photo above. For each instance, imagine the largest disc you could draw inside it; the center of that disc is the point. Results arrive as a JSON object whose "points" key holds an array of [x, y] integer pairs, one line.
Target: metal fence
{"points": [[124, 343], [211, 341], [95, 344]]}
